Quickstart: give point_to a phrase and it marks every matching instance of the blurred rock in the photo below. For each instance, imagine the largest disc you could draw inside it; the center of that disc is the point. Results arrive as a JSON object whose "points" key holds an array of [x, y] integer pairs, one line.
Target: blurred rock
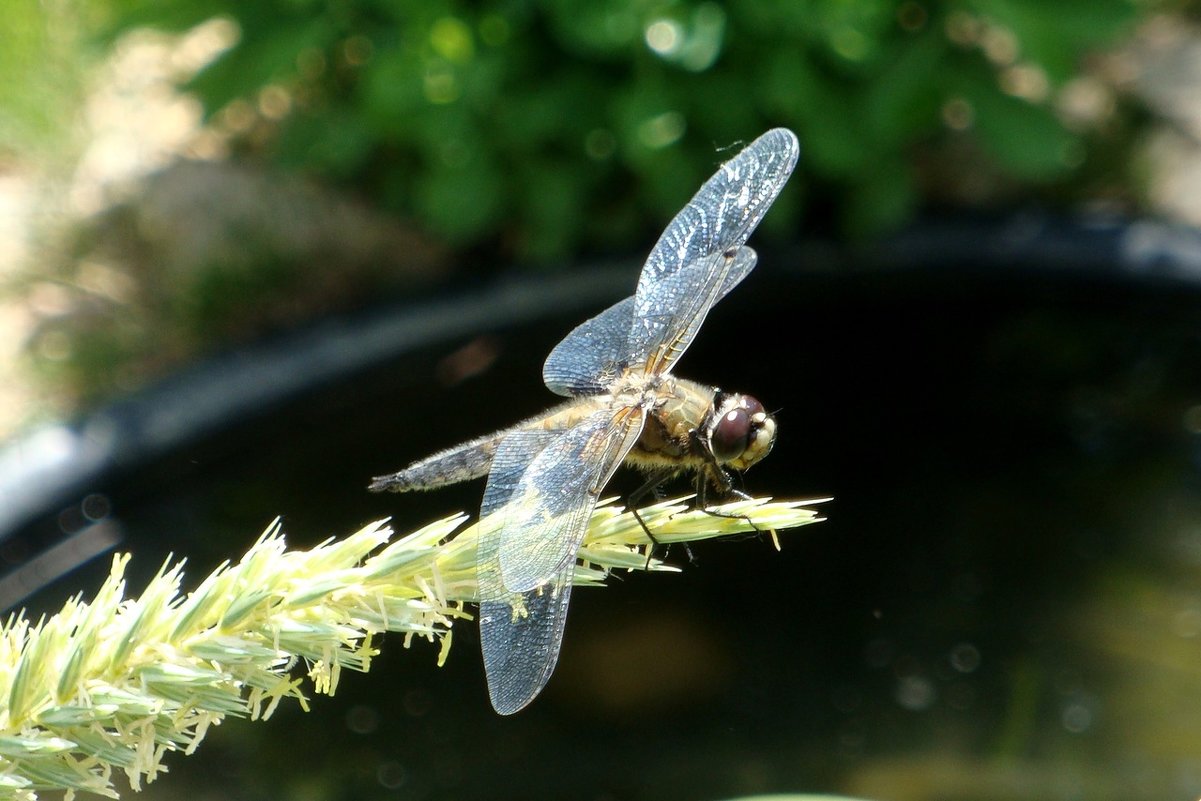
{"points": [[207, 255]]}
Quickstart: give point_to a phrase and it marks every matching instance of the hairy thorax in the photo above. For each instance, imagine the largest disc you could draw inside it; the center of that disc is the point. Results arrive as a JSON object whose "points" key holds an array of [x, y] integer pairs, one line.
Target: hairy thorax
{"points": [[676, 409]]}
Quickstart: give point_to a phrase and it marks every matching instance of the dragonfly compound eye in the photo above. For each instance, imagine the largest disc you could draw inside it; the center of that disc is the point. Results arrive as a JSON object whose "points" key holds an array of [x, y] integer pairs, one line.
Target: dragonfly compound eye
{"points": [[730, 434]]}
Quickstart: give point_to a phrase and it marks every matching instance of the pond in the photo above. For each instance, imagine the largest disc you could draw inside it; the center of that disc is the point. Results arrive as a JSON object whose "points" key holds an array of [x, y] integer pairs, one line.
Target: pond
{"points": [[1003, 603]]}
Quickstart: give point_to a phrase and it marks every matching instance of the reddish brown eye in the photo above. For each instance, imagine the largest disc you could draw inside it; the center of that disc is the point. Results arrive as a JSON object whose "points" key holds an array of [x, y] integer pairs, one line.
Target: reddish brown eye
{"points": [[730, 435], [752, 405]]}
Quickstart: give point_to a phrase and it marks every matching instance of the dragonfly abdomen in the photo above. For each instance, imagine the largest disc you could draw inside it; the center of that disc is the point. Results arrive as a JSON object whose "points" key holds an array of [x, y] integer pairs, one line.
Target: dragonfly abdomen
{"points": [[461, 463]]}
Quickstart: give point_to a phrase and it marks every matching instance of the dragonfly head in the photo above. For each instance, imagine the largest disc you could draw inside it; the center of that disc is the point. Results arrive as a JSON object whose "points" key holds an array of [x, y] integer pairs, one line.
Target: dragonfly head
{"points": [[739, 431]]}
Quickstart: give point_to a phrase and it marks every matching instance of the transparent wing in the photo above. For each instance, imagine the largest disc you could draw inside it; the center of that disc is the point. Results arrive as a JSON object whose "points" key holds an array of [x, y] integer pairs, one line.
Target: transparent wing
{"points": [[726, 209], [687, 269], [588, 358], [521, 648], [592, 354], [540, 494], [667, 319]]}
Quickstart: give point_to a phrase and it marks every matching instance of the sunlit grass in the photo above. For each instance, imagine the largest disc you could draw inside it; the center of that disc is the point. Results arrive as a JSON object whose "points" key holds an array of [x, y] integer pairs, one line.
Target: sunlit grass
{"points": [[118, 682]]}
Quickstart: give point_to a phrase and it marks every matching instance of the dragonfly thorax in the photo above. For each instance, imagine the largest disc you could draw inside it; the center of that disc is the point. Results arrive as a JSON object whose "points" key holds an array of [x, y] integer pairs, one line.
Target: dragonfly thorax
{"points": [[644, 390], [697, 427]]}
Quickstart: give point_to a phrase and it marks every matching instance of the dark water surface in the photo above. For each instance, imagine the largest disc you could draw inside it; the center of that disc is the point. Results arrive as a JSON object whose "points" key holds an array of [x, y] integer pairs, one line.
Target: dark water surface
{"points": [[1004, 603]]}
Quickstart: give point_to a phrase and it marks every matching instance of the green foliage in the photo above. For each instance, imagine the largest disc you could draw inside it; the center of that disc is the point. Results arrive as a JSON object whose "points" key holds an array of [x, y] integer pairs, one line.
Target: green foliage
{"points": [[550, 125], [40, 81]]}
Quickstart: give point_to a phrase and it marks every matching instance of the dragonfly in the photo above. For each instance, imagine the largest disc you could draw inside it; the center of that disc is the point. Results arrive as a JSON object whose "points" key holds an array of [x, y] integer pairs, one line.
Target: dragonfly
{"points": [[546, 473]]}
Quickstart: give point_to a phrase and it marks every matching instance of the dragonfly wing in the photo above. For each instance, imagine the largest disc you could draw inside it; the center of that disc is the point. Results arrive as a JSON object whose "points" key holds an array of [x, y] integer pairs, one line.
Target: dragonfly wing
{"points": [[541, 492], [701, 256], [596, 351], [592, 354], [667, 319], [726, 209], [718, 219], [521, 647]]}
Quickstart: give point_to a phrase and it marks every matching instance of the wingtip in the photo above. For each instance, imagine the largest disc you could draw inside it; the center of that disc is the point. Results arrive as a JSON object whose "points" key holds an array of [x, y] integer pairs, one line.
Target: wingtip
{"points": [[785, 132], [504, 700], [793, 145], [506, 710]]}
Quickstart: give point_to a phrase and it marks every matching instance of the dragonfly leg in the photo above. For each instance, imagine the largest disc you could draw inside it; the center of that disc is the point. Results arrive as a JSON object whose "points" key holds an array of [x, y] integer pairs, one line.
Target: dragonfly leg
{"points": [[722, 481], [654, 487]]}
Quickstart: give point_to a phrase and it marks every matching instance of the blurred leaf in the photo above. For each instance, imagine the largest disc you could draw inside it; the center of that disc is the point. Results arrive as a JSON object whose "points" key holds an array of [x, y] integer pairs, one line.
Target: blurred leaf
{"points": [[788, 84], [835, 137], [390, 93], [551, 192], [1026, 139], [563, 107], [903, 103], [335, 143], [658, 185], [725, 122], [41, 80], [460, 201], [853, 31], [171, 16], [1056, 36], [257, 60], [600, 28]]}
